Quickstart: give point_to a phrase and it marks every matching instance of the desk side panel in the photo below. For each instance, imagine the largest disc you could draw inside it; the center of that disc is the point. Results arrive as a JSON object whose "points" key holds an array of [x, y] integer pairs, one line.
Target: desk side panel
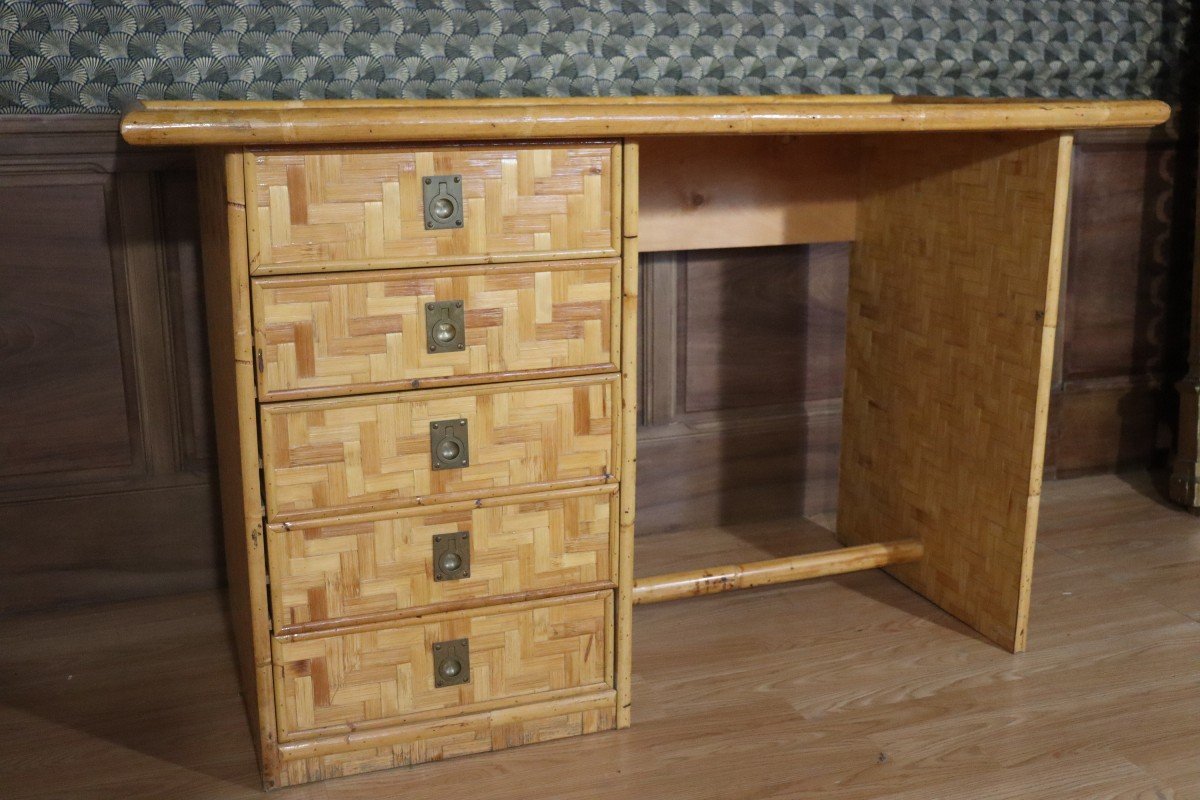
{"points": [[227, 301], [952, 310]]}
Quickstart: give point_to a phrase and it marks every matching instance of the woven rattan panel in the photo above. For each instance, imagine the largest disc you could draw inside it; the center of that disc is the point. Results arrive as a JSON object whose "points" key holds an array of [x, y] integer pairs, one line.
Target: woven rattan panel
{"points": [[330, 683], [373, 452], [477, 733], [953, 292], [360, 207], [340, 334], [375, 566]]}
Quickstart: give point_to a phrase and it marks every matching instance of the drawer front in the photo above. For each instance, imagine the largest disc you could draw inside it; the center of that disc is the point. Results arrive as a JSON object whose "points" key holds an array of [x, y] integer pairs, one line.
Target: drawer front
{"points": [[378, 566], [366, 331], [370, 453], [385, 676], [364, 207]]}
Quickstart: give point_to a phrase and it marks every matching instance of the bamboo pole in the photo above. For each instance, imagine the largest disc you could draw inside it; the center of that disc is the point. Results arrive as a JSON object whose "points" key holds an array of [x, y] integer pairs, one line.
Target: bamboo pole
{"points": [[676, 585], [180, 124], [628, 429]]}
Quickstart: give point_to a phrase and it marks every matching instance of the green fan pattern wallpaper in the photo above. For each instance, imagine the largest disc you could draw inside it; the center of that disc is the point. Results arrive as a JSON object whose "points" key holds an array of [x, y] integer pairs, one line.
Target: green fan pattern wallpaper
{"points": [[97, 55]]}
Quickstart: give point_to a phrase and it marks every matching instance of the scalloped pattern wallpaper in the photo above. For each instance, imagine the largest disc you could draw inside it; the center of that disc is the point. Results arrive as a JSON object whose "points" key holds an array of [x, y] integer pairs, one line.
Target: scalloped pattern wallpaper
{"points": [[98, 55]]}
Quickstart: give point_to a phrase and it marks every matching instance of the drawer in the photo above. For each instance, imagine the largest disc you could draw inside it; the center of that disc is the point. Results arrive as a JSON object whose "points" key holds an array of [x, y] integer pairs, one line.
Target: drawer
{"points": [[369, 331], [378, 566], [371, 453], [364, 207], [381, 676]]}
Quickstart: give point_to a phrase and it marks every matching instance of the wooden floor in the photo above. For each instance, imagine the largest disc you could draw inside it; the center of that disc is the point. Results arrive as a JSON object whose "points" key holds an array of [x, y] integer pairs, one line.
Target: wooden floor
{"points": [[851, 687]]}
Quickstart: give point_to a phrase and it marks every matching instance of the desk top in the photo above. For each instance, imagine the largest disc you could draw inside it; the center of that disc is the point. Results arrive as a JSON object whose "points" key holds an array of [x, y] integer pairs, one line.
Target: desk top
{"points": [[365, 121]]}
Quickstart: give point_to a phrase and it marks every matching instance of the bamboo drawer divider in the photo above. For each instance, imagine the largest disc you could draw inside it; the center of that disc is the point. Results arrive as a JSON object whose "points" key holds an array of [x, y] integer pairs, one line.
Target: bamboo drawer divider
{"points": [[423, 321]]}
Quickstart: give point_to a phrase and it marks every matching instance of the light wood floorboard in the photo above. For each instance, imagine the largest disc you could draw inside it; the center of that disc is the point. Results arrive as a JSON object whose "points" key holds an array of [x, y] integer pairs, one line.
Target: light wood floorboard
{"points": [[847, 687]]}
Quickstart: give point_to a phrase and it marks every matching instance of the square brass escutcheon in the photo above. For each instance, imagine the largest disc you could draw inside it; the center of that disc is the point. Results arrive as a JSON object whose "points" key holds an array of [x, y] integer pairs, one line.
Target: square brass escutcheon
{"points": [[451, 663], [451, 556], [443, 201], [448, 444], [445, 326]]}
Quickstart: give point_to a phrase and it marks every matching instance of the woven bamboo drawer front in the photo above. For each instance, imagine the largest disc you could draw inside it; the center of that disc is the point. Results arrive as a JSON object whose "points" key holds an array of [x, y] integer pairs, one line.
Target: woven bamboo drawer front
{"points": [[386, 675], [377, 566], [366, 331], [350, 208], [370, 453]]}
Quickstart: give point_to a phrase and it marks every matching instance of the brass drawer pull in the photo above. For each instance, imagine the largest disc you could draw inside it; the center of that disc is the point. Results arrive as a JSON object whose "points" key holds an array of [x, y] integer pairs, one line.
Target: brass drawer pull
{"points": [[451, 663], [448, 445], [443, 201], [452, 556], [445, 326]]}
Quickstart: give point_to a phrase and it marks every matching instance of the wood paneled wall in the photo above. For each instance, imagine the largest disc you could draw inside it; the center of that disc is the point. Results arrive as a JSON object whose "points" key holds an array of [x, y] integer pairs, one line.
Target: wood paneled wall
{"points": [[106, 460], [742, 356], [1124, 329], [106, 466]]}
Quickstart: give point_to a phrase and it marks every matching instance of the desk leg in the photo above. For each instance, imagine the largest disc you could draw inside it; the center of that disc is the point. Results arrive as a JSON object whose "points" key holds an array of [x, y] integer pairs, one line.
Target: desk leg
{"points": [[952, 311], [628, 422]]}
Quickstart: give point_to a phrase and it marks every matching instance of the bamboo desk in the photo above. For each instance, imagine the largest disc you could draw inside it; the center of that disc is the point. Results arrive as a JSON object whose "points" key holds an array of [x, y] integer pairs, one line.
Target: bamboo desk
{"points": [[394, 283]]}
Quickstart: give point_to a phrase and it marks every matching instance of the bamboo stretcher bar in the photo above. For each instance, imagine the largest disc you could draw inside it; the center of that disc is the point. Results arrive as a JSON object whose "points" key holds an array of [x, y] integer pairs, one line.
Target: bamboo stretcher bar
{"points": [[676, 585]]}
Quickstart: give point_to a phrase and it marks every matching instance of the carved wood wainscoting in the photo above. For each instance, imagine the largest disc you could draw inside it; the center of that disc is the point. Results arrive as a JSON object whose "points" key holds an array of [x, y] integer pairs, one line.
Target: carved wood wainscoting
{"points": [[741, 384], [106, 457], [106, 463], [1123, 335]]}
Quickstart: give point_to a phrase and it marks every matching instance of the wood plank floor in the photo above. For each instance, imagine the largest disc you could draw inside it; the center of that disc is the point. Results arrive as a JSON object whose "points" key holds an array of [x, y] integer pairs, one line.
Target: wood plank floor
{"points": [[850, 687]]}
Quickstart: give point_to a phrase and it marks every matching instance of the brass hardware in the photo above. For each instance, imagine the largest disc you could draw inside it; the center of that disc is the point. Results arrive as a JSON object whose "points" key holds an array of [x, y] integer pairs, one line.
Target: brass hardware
{"points": [[445, 327], [451, 556], [443, 201], [448, 446], [451, 663]]}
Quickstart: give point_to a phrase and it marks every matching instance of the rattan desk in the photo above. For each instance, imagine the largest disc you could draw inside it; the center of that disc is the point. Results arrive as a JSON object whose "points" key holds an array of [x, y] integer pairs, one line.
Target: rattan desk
{"points": [[423, 321]]}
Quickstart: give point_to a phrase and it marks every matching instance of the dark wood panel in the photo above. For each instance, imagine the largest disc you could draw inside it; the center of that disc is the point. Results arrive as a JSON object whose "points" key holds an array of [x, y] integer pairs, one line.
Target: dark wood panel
{"points": [[733, 467], [106, 484], [185, 306], [659, 333], [64, 393], [108, 546], [1123, 338], [764, 326], [1106, 425], [743, 351], [1124, 307]]}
